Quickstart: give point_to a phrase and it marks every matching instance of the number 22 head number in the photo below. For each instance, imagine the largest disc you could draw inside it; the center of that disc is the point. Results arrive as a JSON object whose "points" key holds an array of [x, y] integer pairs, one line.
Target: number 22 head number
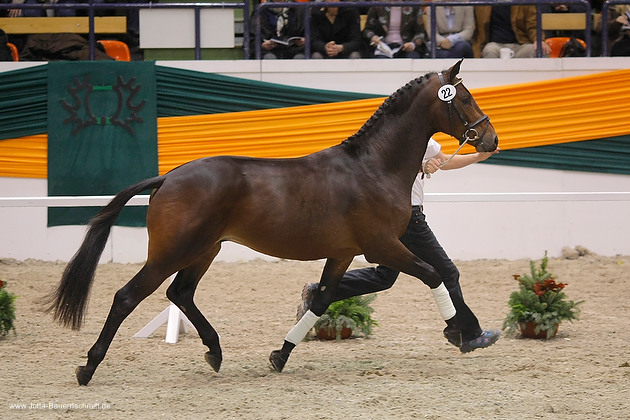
{"points": [[447, 93]]}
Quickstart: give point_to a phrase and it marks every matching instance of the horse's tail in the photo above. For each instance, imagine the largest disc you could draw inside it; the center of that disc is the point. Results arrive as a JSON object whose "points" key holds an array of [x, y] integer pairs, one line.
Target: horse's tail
{"points": [[69, 299]]}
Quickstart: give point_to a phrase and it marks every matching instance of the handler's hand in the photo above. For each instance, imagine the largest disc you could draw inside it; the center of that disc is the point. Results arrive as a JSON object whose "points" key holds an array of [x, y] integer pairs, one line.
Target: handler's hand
{"points": [[485, 155], [432, 165]]}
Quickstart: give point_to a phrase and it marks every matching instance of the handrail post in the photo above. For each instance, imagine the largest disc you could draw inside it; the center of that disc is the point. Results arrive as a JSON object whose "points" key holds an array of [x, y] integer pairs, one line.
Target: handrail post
{"points": [[604, 23], [91, 35], [257, 31], [197, 33], [307, 32], [433, 29], [589, 27], [539, 31], [246, 43]]}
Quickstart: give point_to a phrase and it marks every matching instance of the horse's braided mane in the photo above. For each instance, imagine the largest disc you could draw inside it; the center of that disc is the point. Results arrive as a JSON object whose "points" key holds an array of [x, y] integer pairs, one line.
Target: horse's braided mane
{"points": [[351, 142]]}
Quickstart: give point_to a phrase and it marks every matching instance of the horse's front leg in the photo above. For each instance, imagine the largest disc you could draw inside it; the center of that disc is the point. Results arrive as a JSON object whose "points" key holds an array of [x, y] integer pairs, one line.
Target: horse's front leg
{"points": [[331, 276]]}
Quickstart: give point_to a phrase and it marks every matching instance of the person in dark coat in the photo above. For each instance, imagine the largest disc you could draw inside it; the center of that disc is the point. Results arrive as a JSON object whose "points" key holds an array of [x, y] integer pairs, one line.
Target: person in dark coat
{"points": [[335, 32], [281, 33]]}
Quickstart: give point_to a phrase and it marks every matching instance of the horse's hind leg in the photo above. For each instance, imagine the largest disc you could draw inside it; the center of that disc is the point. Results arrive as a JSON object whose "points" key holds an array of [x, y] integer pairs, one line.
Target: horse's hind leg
{"points": [[181, 293], [145, 282], [400, 258], [331, 276]]}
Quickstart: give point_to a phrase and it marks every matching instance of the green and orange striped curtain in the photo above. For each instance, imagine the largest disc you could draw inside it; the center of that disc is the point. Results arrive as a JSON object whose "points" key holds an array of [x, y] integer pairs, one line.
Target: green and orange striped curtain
{"points": [[577, 123]]}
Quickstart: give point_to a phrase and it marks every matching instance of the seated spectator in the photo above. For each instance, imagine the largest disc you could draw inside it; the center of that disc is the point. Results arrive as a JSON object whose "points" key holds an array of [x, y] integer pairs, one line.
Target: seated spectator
{"points": [[335, 32], [395, 32], [286, 26], [504, 26], [42, 12], [5, 52], [564, 8], [621, 45], [455, 27], [617, 27]]}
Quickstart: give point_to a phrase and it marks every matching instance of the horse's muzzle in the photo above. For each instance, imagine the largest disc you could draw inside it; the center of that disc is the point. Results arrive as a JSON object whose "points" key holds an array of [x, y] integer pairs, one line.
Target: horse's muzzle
{"points": [[488, 146]]}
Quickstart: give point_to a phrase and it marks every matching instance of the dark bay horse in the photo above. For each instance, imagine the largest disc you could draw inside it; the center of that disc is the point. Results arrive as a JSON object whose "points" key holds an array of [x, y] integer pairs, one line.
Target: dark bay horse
{"points": [[347, 200]]}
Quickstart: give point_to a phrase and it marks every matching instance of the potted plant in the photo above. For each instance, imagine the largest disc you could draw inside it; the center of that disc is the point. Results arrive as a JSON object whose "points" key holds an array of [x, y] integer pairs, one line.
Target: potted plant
{"points": [[540, 304], [347, 316], [7, 310]]}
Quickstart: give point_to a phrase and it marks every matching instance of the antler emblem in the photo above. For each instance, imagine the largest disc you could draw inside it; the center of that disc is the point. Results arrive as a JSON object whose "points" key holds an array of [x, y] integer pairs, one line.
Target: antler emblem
{"points": [[124, 115]]}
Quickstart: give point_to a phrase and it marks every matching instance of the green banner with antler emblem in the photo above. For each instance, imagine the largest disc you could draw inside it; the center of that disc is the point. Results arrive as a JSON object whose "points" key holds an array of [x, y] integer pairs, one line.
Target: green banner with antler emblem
{"points": [[102, 134]]}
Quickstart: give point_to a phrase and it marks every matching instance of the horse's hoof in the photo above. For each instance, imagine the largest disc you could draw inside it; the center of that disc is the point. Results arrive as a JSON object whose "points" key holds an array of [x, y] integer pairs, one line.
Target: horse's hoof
{"points": [[277, 361], [453, 335], [83, 375], [214, 361]]}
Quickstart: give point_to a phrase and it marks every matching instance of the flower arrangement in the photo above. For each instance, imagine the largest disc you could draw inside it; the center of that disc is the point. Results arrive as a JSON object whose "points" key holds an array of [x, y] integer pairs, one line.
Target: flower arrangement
{"points": [[540, 301], [7, 310], [352, 315]]}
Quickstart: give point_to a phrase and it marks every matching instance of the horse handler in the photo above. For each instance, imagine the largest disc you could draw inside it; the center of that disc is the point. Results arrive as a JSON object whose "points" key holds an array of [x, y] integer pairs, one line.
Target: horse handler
{"points": [[420, 240]]}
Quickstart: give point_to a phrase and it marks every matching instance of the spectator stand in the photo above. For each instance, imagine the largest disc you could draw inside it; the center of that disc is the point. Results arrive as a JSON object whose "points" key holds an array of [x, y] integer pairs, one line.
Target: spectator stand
{"points": [[57, 25], [93, 25], [588, 22]]}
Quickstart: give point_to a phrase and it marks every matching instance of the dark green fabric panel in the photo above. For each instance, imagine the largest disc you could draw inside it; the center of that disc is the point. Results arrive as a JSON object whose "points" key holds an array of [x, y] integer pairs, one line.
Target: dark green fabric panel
{"points": [[187, 92], [102, 133], [610, 155], [23, 102]]}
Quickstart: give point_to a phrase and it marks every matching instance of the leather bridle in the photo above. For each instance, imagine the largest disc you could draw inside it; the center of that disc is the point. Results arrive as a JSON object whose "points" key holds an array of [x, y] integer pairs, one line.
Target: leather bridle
{"points": [[471, 133]]}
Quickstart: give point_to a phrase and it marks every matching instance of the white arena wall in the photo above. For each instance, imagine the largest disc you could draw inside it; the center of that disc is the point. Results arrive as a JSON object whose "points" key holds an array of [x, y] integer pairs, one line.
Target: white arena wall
{"points": [[469, 228]]}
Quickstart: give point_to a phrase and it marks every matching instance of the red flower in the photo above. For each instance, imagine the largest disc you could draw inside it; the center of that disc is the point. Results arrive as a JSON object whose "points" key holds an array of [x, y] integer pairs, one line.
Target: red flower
{"points": [[1, 284], [549, 285]]}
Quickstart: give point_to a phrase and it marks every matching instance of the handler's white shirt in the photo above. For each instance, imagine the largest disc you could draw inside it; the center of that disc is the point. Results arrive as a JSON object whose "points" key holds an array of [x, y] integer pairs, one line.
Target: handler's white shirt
{"points": [[417, 191]]}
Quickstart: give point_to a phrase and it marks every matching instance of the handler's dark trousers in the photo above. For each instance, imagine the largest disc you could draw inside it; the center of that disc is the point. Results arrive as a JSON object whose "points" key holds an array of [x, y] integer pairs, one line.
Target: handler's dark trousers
{"points": [[420, 240]]}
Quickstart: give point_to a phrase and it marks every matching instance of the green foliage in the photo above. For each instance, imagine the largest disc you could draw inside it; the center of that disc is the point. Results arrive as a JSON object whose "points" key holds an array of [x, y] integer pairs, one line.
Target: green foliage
{"points": [[7, 310], [540, 300], [354, 313]]}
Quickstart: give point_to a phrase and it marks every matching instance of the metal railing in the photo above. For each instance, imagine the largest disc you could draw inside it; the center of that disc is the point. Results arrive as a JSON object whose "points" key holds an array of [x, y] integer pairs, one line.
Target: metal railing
{"points": [[92, 9]]}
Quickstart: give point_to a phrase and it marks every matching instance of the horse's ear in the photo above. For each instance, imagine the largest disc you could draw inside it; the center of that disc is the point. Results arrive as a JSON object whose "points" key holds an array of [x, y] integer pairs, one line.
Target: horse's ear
{"points": [[453, 71]]}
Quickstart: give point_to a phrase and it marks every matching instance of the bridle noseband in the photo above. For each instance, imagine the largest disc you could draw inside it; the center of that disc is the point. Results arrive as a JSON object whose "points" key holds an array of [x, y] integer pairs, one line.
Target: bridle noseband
{"points": [[471, 133]]}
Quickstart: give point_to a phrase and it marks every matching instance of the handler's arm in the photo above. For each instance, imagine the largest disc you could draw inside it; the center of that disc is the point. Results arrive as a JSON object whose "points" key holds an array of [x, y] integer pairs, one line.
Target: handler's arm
{"points": [[461, 161]]}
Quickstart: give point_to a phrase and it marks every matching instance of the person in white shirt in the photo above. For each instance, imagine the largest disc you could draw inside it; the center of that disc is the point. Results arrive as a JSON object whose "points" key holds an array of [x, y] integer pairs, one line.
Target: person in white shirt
{"points": [[422, 242], [455, 27]]}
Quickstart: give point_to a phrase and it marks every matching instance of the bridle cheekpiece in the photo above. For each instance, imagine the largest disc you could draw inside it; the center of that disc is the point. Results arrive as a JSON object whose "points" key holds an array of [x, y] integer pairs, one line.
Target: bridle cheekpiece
{"points": [[447, 93]]}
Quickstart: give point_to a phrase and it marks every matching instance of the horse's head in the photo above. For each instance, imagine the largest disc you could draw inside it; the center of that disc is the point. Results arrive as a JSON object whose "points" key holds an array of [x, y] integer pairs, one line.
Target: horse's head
{"points": [[459, 114]]}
